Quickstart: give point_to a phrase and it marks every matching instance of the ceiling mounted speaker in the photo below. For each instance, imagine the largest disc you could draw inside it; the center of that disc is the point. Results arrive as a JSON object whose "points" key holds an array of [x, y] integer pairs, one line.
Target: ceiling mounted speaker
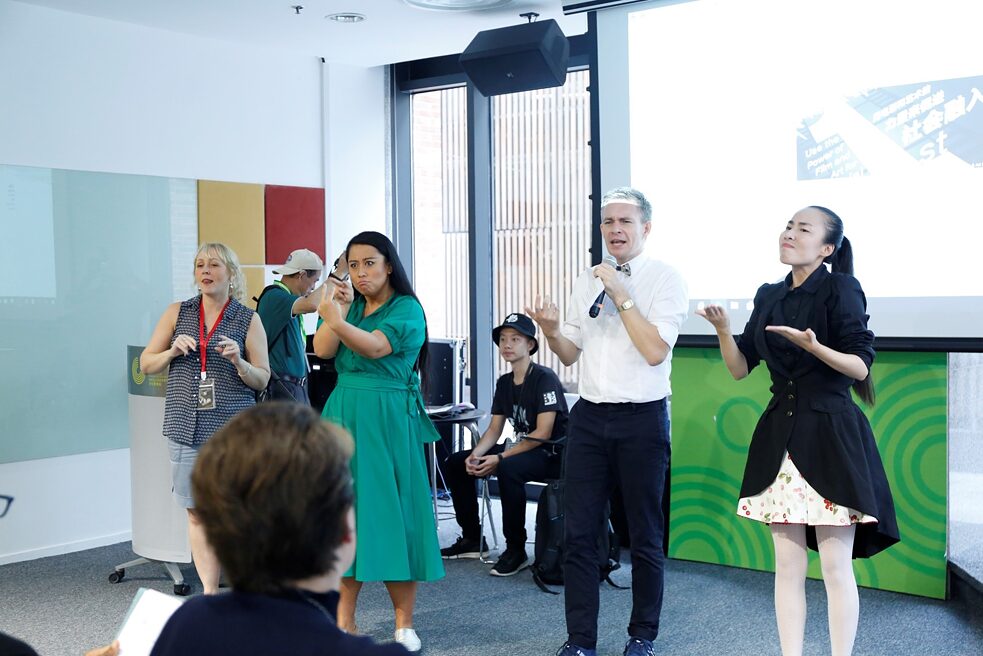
{"points": [[517, 58], [457, 5]]}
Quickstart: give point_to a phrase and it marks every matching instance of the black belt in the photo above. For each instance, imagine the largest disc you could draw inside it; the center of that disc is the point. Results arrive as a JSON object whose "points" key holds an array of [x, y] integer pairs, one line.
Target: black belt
{"points": [[293, 379], [627, 405]]}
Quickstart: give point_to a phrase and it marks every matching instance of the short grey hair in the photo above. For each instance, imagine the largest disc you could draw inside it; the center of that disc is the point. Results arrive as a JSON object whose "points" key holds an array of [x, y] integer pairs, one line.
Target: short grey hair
{"points": [[632, 197]]}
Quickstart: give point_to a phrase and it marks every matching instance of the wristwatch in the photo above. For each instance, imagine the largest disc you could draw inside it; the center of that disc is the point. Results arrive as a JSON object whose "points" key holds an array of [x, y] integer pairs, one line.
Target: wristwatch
{"points": [[627, 305]]}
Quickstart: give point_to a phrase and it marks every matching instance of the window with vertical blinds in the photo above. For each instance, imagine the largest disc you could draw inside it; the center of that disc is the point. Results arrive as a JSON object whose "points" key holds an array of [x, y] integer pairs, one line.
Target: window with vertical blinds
{"points": [[541, 205], [541, 185], [440, 209]]}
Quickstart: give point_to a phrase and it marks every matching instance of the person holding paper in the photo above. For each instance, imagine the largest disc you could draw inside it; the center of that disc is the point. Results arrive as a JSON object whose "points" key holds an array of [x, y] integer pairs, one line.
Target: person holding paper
{"points": [[214, 350], [11, 646], [813, 472], [273, 490]]}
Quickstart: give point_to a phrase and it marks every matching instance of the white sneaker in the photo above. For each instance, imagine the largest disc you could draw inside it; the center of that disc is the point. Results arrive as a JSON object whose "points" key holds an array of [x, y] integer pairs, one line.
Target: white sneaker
{"points": [[409, 639]]}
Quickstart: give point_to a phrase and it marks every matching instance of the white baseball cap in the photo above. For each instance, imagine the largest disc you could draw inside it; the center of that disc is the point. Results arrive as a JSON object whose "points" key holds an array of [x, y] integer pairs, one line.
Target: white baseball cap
{"points": [[300, 260]]}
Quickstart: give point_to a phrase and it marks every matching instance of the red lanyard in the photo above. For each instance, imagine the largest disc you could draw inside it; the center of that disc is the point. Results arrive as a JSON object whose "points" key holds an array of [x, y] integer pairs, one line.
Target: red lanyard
{"points": [[203, 339]]}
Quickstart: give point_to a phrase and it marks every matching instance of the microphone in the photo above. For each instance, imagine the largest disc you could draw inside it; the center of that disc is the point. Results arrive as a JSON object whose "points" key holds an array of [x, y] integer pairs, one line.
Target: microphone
{"points": [[595, 309]]}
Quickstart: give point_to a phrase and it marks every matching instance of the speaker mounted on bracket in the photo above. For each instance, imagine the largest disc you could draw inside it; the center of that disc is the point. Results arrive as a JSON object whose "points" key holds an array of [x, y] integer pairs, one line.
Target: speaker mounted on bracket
{"points": [[533, 55]]}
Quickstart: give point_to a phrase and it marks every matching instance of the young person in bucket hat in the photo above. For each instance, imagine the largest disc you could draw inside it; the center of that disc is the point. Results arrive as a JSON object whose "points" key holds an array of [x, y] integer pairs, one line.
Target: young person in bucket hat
{"points": [[530, 397]]}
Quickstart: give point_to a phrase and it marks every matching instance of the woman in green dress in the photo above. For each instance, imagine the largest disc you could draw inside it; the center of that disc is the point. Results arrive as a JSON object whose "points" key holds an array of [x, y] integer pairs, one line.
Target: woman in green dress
{"points": [[377, 332]]}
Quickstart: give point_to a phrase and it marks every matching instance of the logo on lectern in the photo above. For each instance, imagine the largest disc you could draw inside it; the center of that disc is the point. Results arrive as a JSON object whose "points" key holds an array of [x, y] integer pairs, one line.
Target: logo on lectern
{"points": [[138, 376]]}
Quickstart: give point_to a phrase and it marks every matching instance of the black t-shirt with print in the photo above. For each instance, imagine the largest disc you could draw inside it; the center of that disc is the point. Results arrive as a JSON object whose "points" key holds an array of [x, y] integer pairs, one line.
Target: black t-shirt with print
{"points": [[541, 391]]}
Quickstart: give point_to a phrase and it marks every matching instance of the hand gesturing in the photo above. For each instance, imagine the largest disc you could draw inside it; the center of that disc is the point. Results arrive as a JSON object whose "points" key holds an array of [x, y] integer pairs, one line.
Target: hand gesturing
{"points": [[546, 314], [329, 308], [228, 349], [804, 339], [716, 315], [183, 344]]}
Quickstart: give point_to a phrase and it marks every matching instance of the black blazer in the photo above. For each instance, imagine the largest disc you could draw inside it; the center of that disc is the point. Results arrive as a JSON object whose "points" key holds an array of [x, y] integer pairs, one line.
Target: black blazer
{"points": [[811, 413]]}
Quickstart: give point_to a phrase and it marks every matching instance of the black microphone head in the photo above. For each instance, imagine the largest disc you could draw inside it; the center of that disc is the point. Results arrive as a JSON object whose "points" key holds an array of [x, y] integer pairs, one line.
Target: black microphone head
{"points": [[610, 259]]}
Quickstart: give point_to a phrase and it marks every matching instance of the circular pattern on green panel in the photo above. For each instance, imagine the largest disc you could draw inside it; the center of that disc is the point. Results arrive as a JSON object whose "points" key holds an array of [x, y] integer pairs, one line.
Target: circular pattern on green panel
{"points": [[704, 525], [910, 423], [735, 421], [866, 572]]}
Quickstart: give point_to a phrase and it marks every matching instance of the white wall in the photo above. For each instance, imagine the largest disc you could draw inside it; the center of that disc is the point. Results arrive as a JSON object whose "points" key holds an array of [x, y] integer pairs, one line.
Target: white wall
{"points": [[90, 94], [65, 504], [355, 152]]}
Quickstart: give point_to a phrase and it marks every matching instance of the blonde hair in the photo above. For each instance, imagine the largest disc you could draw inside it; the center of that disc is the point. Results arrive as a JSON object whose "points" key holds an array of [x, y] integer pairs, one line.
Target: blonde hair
{"points": [[237, 279]]}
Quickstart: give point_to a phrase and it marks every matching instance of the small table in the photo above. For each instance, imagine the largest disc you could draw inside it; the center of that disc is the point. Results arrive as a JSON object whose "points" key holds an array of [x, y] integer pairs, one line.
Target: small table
{"points": [[469, 420]]}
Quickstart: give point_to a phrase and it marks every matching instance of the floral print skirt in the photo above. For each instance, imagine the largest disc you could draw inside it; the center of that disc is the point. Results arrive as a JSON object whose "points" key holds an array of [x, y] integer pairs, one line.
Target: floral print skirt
{"points": [[791, 500]]}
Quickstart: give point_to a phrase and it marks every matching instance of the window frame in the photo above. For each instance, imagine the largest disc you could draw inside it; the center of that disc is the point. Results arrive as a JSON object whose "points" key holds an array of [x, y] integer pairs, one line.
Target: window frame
{"points": [[436, 73]]}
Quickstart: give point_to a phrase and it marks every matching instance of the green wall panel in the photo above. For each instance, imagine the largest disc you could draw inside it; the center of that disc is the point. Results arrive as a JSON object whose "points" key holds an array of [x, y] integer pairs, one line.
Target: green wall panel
{"points": [[713, 417]]}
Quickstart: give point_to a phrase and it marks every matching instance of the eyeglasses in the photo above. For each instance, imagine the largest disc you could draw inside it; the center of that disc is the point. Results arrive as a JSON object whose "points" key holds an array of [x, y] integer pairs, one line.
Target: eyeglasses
{"points": [[5, 502]]}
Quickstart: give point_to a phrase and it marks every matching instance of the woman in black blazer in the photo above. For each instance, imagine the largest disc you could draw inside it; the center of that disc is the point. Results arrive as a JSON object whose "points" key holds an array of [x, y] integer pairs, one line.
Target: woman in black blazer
{"points": [[813, 472]]}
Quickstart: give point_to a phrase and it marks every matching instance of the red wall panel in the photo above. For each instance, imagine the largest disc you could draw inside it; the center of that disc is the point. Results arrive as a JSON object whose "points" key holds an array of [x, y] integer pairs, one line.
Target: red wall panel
{"points": [[294, 219]]}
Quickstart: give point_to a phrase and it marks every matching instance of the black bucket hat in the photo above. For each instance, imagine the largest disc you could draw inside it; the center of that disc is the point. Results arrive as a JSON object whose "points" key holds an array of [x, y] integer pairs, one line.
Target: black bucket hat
{"points": [[521, 324]]}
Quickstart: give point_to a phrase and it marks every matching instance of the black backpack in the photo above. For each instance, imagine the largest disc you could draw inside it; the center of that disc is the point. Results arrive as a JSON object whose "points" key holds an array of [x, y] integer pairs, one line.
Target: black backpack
{"points": [[269, 393], [547, 569]]}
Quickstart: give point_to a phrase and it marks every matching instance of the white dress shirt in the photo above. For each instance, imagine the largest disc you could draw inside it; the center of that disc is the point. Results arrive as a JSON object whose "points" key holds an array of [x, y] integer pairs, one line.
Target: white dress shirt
{"points": [[612, 368]]}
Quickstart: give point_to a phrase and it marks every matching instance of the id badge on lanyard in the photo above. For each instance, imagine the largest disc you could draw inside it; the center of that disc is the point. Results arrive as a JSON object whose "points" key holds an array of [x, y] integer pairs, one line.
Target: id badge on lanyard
{"points": [[206, 394], [206, 388]]}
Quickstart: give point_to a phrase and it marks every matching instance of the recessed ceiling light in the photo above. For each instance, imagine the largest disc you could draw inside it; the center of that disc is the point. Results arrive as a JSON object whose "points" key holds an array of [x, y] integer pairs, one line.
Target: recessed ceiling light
{"points": [[346, 17], [457, 5]]}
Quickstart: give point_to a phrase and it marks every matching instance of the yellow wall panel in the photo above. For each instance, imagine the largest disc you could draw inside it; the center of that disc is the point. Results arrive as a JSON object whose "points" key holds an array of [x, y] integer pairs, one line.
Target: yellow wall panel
{"points": [[255, 282], [233, 213]]}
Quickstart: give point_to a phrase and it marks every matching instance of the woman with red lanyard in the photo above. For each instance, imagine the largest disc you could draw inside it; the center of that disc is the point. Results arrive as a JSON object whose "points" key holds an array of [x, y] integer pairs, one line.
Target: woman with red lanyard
{"points": [[214, 348]]}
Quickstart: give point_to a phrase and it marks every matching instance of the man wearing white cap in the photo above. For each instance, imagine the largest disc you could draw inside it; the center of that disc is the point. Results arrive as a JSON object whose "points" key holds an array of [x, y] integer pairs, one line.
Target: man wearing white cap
{"points": [[281, 307], [619, 429]]}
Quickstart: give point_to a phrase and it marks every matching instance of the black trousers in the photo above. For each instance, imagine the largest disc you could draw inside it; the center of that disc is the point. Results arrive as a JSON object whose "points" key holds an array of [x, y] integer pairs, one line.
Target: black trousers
{"points": [[513, 473], [627, 443]]}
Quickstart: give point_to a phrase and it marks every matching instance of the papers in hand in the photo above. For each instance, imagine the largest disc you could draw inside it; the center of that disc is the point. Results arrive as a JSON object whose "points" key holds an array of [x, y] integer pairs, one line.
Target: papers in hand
{"points": [[450, 410], [145, 620]]}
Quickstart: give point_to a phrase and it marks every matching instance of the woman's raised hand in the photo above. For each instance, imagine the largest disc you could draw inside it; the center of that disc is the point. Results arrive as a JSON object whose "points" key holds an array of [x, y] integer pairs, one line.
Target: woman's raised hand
{"points": [[343, 292], [329, 308], [716, 315], [228, 349], [804, 339], [183, 344]]}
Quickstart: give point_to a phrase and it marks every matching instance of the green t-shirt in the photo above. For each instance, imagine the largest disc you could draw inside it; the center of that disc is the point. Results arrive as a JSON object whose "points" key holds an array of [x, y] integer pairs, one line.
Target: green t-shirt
{"points": [[284, 332]]}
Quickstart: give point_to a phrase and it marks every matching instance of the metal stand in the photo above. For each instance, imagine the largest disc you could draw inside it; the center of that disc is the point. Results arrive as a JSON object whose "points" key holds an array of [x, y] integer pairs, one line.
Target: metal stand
{"points": [[467, 420], [486, 511], [180, 587], [434, 473]]}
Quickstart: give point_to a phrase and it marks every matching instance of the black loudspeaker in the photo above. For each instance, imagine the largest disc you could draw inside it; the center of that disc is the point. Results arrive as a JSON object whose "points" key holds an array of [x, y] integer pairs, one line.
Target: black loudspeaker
{"points": [[517, 58]]}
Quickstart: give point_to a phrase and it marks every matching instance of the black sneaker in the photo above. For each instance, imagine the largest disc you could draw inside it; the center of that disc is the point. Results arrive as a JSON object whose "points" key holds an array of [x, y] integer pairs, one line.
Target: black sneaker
{"points": [[511, 562], [639, 647], [464, 548], [569, 649]]}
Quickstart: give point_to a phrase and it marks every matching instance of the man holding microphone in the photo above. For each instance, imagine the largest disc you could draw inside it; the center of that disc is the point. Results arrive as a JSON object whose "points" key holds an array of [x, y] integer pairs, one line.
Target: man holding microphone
{"points": [[619, 430]]}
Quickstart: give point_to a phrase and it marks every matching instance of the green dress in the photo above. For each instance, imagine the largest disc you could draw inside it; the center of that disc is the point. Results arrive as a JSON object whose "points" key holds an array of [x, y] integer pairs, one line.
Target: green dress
{"points": [[379, 403]]}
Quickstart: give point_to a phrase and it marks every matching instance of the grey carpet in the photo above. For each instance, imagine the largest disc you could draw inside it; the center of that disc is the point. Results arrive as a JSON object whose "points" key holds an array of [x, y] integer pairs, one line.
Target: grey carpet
{"points": [[966, 547], [64, 605]]}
